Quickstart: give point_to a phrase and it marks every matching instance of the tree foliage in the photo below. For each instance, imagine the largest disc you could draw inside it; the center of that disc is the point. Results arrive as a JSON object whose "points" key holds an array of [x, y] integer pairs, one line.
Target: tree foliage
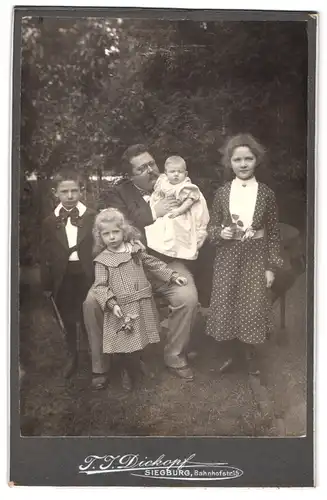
{"points": [[90, 87]]}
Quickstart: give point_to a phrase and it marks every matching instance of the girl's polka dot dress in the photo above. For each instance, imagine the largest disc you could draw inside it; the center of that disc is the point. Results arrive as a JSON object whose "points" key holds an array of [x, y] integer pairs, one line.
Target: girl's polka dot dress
{"points": [[239, 306]]}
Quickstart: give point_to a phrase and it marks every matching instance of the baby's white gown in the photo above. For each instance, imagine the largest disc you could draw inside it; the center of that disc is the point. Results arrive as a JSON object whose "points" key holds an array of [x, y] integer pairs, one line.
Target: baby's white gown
{"points": [[182, 236]]}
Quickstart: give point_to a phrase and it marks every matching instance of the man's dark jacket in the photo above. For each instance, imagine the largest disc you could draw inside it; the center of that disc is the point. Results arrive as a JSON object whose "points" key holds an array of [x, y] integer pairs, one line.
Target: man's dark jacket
{"points": [[129, 200]]}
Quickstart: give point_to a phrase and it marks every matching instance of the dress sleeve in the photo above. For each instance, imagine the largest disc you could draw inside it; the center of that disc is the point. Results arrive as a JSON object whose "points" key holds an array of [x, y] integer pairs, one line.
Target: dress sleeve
{"points": [[189, 191], [274, 259], [216, 218], [156, 267], [103, 293]]}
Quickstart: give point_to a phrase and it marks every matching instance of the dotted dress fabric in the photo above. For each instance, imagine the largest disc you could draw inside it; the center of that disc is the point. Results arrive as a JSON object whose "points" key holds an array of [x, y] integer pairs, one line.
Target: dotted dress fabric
{"points": [[239, 306], [120, 279]]}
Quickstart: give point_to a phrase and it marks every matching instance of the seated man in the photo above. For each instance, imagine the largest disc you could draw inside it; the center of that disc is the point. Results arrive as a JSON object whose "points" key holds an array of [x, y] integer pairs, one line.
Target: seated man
{"points": [[131, 196]]}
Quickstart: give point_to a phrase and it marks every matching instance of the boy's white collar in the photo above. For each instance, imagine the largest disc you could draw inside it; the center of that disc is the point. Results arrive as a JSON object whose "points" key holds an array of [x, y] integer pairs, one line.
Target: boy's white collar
{"points": [[80, 207]]}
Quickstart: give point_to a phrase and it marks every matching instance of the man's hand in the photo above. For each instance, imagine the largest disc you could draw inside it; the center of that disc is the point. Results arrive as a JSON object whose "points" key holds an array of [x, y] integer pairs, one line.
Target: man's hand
{"points": [[163, 207], [47, 293], [270, 277], [117, 311]]}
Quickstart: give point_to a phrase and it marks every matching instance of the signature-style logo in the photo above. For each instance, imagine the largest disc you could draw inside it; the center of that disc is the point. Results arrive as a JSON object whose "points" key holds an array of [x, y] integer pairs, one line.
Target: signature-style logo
{"points": [[186, 469]]}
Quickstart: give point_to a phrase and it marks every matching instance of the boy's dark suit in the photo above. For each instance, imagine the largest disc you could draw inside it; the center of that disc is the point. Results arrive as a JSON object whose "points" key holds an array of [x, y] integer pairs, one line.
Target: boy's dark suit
{"points": [[69, 281]]}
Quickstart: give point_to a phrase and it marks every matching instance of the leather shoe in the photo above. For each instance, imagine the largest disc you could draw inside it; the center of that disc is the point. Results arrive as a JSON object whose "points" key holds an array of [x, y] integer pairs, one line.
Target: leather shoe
{"points": [[126, 381], [99, 381], [192, 355], [184, 372], [255, 373], [145, 370], [253, 366]]}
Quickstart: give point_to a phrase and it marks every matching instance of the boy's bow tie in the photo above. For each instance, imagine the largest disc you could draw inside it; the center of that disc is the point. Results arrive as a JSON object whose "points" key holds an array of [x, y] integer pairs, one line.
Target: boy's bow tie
{"points": [[65, 214]]}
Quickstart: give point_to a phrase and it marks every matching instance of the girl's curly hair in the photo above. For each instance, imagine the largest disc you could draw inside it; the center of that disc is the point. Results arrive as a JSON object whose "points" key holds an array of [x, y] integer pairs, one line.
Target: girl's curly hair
{"points": [[112, 215], [242, 140]]}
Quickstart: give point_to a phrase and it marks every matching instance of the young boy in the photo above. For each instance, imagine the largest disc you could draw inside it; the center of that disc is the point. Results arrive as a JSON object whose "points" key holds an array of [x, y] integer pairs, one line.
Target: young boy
{"points": [[66, 256], [182, 232]]}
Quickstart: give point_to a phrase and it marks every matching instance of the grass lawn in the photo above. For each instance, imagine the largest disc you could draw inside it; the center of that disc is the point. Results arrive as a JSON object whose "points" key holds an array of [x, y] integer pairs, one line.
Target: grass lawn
{"points": [[211, 405]]}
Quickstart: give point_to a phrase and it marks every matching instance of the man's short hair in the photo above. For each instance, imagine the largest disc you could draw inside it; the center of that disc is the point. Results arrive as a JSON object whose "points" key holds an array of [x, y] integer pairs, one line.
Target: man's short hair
{"points": [[131, 152], [67, 175]]}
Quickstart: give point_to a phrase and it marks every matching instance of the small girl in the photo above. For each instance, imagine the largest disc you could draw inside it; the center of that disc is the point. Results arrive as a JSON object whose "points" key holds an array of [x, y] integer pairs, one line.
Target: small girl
{"points": [[244, 229], [123, 291], [181, 233]]}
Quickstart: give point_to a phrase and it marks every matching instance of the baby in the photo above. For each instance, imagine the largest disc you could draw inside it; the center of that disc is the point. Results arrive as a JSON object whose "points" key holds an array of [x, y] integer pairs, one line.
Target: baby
{"points": [[182, 231]]}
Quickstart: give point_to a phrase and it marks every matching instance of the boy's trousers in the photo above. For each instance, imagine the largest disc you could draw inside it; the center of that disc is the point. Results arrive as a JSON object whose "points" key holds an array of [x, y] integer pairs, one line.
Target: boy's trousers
{"points": [[69, 300]]}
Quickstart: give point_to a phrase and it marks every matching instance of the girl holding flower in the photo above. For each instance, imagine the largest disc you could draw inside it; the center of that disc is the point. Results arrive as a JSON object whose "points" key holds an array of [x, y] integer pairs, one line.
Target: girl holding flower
{"points": [[123, 291], [244, 228]]}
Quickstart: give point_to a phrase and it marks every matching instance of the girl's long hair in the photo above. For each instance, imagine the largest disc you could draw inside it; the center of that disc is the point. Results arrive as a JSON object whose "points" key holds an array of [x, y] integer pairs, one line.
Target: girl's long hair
{"points": [[112, 215], [242, 140]]}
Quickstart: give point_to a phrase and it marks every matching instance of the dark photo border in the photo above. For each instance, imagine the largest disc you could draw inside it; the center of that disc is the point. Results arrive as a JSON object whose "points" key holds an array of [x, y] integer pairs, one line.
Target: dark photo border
{"points": [[264, 462]]}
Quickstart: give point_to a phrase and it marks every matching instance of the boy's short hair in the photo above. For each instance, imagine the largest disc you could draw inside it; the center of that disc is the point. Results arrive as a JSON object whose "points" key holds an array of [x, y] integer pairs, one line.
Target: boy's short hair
{"points": [[67, 175], [172, 160]]}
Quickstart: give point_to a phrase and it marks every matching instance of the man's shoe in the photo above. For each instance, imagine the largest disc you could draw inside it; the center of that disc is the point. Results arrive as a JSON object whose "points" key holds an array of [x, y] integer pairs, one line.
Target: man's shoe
{"points": [[70, 367], [185, 372], [99, 381]]}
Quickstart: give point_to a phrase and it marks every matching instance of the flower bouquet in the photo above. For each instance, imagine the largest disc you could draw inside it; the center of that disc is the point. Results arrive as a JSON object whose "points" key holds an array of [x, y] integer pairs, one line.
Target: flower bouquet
{"points": [[237, 226], [127, 326]]}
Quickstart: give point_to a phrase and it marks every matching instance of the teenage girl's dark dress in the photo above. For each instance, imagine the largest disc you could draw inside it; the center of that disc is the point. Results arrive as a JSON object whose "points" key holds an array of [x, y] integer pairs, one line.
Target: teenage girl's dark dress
{"points": [[239, 305]]}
